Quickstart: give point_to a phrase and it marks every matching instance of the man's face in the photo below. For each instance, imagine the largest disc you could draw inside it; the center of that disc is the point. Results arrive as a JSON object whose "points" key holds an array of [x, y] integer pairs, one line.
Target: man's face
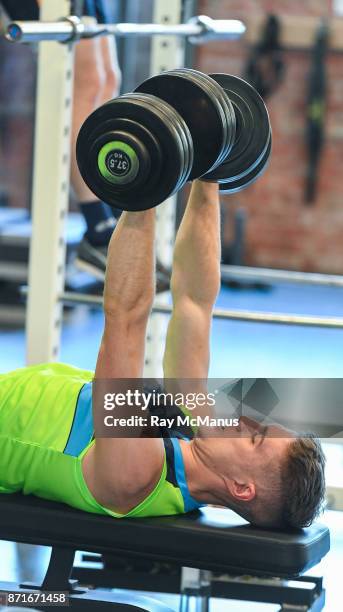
{"points": [[253, 447], [247, 452]]}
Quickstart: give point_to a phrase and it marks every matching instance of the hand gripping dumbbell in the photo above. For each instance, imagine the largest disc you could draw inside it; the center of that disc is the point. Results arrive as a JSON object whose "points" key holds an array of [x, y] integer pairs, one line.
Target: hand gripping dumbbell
{"points": [[138, 149]]}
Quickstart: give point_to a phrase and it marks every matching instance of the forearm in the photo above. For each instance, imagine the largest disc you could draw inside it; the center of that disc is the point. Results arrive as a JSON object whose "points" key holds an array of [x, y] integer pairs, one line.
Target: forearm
{"points": [[195, 284], [196, 264], [130, 277], [128, 296]]}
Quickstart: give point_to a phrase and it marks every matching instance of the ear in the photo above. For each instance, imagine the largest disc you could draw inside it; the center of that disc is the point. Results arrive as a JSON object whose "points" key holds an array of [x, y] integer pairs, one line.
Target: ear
{"points": [[241, 491]]}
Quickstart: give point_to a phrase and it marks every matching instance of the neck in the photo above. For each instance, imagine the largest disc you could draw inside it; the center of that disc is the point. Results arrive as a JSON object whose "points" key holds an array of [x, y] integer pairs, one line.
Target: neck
{"points": [[204, 485]]}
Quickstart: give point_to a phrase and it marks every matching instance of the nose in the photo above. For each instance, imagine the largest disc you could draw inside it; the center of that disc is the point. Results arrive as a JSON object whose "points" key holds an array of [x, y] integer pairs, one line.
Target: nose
{"points": [[248, 424]]}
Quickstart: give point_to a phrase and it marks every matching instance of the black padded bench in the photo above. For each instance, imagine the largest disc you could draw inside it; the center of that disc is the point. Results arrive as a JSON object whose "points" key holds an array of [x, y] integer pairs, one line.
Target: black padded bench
{"points": [[216, 542]]}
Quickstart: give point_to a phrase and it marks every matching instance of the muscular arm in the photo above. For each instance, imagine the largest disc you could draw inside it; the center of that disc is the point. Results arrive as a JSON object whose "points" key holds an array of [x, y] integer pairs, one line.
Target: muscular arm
{"points": [[121, 472], [195, 284], [128, 296]]}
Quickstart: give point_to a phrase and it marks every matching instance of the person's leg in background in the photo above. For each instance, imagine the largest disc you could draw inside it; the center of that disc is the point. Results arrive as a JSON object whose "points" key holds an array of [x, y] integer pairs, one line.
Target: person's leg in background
{"points": [[97, 80], [88, 84], [99, 217]]}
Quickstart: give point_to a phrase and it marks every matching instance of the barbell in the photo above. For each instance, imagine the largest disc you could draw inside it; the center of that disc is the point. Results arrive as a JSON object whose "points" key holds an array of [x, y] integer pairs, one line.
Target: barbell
{"points": [[199, 29], [140, 148]]}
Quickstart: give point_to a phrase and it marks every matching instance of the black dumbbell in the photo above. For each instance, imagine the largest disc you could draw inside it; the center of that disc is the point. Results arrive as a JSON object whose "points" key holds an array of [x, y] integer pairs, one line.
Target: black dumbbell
{"points": [[238, 161], [134, 151], [250, 153], [140, 148]]}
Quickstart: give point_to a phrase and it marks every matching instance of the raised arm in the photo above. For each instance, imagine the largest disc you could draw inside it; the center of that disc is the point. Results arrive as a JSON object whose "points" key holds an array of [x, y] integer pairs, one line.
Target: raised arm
{"points": [[195, 284], [121, 472], [128, 296]]}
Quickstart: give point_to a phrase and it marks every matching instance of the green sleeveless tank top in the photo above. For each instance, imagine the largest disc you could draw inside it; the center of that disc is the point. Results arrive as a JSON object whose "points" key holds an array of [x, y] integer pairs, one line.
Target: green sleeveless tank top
{"points": [[46, 427]]}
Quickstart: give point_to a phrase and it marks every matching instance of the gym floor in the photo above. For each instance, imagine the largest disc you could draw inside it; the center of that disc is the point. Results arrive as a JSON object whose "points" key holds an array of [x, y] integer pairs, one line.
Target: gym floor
{"points": [[28, 563], [279, 351]]}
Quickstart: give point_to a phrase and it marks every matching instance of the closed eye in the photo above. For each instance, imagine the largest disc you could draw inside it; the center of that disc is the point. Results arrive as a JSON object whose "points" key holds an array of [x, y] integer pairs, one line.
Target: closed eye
{"points": [[262, 433]]}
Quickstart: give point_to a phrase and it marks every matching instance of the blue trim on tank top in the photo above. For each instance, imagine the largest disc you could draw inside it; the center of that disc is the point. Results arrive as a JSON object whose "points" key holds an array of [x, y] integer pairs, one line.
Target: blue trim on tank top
{"points": [[82, 429], [189, 501]]}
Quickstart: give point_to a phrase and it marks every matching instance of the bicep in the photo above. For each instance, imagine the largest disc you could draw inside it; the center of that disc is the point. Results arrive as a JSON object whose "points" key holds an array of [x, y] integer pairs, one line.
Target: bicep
{"points": [[121, 356], [121, 473]]}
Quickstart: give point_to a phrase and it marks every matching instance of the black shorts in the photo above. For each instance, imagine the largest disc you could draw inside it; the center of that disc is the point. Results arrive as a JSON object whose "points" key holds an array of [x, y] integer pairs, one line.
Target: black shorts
{"points": [[21, 10], [28, 10]]}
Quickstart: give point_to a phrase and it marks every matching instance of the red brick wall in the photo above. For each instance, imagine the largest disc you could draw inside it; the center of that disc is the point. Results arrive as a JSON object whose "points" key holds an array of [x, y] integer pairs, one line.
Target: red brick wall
{"points": [[17, 86], [281, 230]]}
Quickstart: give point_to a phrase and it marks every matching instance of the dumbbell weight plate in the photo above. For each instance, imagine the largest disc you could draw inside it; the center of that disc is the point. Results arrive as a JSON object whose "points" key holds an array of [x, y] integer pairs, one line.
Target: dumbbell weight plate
{"points": [[200, 110], [119, 156], [225, 107], [181, 128], [156, 149], [239, 184], [98, 132], [253, 135], [219, 98]]}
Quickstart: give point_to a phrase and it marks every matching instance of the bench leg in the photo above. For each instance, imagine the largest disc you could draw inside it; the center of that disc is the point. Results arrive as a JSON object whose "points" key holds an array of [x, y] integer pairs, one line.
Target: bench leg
{"points": [[195, 590], [317, 605], [189, 603], [57, 576], [57, 581]]}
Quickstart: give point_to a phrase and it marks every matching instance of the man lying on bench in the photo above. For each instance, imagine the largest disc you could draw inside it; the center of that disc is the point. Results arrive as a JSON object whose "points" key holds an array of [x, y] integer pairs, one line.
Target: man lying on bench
{"points": [[271, 478]]}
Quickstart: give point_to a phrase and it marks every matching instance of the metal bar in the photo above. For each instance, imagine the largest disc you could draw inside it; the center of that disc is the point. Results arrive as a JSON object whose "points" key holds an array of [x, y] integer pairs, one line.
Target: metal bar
{"points": [[285, 276], [299, 594], [167, 53], [221, 313], [201, 29], [50, 195]]}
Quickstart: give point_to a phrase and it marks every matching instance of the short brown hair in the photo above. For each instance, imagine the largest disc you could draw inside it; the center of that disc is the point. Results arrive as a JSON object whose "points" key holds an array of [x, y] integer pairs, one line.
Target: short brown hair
{"points": [[294, 492], [303, 482]]}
